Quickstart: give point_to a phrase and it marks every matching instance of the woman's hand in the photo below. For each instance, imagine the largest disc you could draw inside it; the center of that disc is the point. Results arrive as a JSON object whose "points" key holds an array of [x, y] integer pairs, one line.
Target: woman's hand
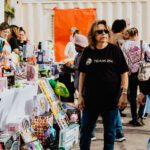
{"points": [[81, 103], [123, 101], [141, 99]]}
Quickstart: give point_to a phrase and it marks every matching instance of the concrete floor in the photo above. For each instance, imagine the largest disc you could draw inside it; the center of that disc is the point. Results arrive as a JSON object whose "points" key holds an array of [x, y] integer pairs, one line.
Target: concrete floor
{"points": [[137, 137]]}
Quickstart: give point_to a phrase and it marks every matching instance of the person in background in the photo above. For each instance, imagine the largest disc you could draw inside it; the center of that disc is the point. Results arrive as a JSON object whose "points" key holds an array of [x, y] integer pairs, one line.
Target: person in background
{"points": [[134, 50], [4, 35], [70, 51], [66, 75], [118, 32], [15, 47], [116, 38], [142, 99], [103, 74], [80, 42], [13, 38], [145, 90], [21, 38], [5, 49]]}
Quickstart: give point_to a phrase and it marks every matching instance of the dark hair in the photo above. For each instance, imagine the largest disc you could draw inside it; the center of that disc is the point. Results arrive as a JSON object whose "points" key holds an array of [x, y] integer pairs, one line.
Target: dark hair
{"points": [[132, 31], [4, 26], [21, 29], [13, 26], [14, 30], [92, 32], [118, 25]]}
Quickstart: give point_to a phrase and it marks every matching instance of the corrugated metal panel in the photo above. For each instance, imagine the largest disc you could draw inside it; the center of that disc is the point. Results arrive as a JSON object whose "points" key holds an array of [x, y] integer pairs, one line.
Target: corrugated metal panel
{"points": [[1, 11], [37, 15]]}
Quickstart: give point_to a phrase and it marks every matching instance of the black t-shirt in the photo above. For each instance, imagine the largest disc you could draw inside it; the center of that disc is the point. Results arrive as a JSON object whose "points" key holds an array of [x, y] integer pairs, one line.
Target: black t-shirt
{"points": [[102, 82], [21, 44], [13, 43]]}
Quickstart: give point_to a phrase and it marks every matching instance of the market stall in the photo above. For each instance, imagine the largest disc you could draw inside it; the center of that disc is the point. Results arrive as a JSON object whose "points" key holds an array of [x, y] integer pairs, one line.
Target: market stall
{"points": [[31, 113]]}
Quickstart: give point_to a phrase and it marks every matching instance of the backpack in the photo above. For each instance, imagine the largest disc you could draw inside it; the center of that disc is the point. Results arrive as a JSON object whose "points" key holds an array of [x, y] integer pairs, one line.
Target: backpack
{"points": [[134, 54]]}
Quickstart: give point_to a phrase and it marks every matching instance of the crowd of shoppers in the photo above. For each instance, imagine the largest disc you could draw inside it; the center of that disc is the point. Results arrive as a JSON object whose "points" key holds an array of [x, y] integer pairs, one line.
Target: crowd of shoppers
{"points": [[104, 69], [106, 65]]}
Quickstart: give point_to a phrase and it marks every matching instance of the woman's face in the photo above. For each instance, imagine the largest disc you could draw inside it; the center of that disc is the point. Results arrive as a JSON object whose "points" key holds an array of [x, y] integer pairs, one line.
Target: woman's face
{"points": [[21, 36], [5, 33], [126, 35], [101, 35]]}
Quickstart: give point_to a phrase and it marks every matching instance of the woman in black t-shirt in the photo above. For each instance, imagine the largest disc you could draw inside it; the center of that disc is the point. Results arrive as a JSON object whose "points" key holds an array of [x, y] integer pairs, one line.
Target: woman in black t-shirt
{"points": [[13, 38], [21, 38], [103, 73]]}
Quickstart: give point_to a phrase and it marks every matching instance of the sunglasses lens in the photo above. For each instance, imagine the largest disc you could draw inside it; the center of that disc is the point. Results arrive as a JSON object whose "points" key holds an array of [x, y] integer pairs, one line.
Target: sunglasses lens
{"points": [[99, 31], [106, 31], [102, 31]]}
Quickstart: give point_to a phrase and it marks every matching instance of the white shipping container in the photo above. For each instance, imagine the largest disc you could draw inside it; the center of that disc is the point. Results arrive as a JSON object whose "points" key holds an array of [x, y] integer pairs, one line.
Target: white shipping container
{"points": [[1, 11], [37, 16]]}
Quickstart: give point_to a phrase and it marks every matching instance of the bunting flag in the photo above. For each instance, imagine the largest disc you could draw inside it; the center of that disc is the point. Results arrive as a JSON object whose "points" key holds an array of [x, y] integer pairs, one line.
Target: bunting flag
{"points": [[64, 19]]}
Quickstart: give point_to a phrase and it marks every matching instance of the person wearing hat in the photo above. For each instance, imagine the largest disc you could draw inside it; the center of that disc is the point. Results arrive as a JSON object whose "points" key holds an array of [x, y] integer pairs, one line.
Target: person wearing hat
{"points": [[103, 84], [80, 43]]}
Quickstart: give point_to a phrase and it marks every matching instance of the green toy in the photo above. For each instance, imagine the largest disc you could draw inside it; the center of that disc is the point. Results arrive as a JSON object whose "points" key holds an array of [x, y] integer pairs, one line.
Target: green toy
{"points": [[59, 88]]}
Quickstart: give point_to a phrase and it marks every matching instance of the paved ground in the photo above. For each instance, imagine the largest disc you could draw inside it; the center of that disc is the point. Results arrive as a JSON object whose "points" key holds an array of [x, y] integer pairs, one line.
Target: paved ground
{"points": [[137, 137]]}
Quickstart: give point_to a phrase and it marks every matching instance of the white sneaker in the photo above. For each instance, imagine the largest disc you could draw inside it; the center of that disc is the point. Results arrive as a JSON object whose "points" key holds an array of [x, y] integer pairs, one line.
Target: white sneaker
{"points": [[93, 137], [121, 139]]}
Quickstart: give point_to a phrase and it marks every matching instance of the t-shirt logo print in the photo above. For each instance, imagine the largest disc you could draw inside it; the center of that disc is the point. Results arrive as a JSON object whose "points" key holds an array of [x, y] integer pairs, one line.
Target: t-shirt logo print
{"points": [[88, 61], [134, 54]]}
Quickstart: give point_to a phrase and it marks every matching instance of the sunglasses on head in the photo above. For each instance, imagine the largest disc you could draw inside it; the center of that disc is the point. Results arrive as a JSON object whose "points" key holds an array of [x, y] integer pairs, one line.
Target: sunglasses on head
{"points": [[102, 31]]}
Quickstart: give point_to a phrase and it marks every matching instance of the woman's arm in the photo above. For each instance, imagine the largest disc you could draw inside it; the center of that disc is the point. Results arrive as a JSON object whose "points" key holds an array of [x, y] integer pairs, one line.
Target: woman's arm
{"points": [[124, 81], [81, 85], [124, 85]]}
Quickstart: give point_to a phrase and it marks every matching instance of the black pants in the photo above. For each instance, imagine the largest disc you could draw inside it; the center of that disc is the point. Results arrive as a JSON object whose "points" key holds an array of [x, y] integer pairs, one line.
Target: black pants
{"points": [[133, 85]]}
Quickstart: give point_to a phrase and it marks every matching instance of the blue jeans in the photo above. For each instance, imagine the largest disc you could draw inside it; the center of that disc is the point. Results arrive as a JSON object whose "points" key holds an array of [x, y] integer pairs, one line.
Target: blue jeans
{"points": [[88, 122], [119, 129]]}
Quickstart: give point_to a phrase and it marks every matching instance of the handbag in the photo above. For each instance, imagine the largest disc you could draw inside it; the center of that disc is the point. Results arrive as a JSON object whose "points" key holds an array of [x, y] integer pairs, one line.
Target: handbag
{"points": [[144, 68]]}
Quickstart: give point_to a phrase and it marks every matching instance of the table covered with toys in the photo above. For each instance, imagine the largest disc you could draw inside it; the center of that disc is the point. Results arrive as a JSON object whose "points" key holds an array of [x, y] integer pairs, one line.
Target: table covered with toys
{"points": [[32, 116]]}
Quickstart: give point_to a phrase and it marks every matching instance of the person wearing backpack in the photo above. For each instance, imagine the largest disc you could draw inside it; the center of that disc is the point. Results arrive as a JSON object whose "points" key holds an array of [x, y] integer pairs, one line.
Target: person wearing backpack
{"points": [[134, 51]]}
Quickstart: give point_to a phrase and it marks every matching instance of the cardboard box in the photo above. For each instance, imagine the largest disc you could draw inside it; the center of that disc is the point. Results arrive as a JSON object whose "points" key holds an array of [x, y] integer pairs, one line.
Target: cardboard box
{"points": [[69, 137]]}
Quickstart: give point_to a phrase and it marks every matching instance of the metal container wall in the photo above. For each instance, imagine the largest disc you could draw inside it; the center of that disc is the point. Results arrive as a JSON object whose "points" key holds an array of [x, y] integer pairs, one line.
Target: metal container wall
{"points": [[1, 11], [36, 16]]}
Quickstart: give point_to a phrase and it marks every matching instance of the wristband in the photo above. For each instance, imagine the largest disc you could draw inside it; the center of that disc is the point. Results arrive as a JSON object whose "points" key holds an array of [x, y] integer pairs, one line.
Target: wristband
{"points": [[124, 93], [123, 89]]}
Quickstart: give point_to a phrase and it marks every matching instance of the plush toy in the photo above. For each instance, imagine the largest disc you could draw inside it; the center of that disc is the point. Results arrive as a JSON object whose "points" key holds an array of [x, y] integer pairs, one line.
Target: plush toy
{"points": [[59, 88]]}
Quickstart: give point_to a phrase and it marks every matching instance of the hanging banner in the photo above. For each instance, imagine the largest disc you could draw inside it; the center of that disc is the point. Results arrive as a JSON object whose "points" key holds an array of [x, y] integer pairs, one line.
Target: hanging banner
{"points": [[64, 20]]}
